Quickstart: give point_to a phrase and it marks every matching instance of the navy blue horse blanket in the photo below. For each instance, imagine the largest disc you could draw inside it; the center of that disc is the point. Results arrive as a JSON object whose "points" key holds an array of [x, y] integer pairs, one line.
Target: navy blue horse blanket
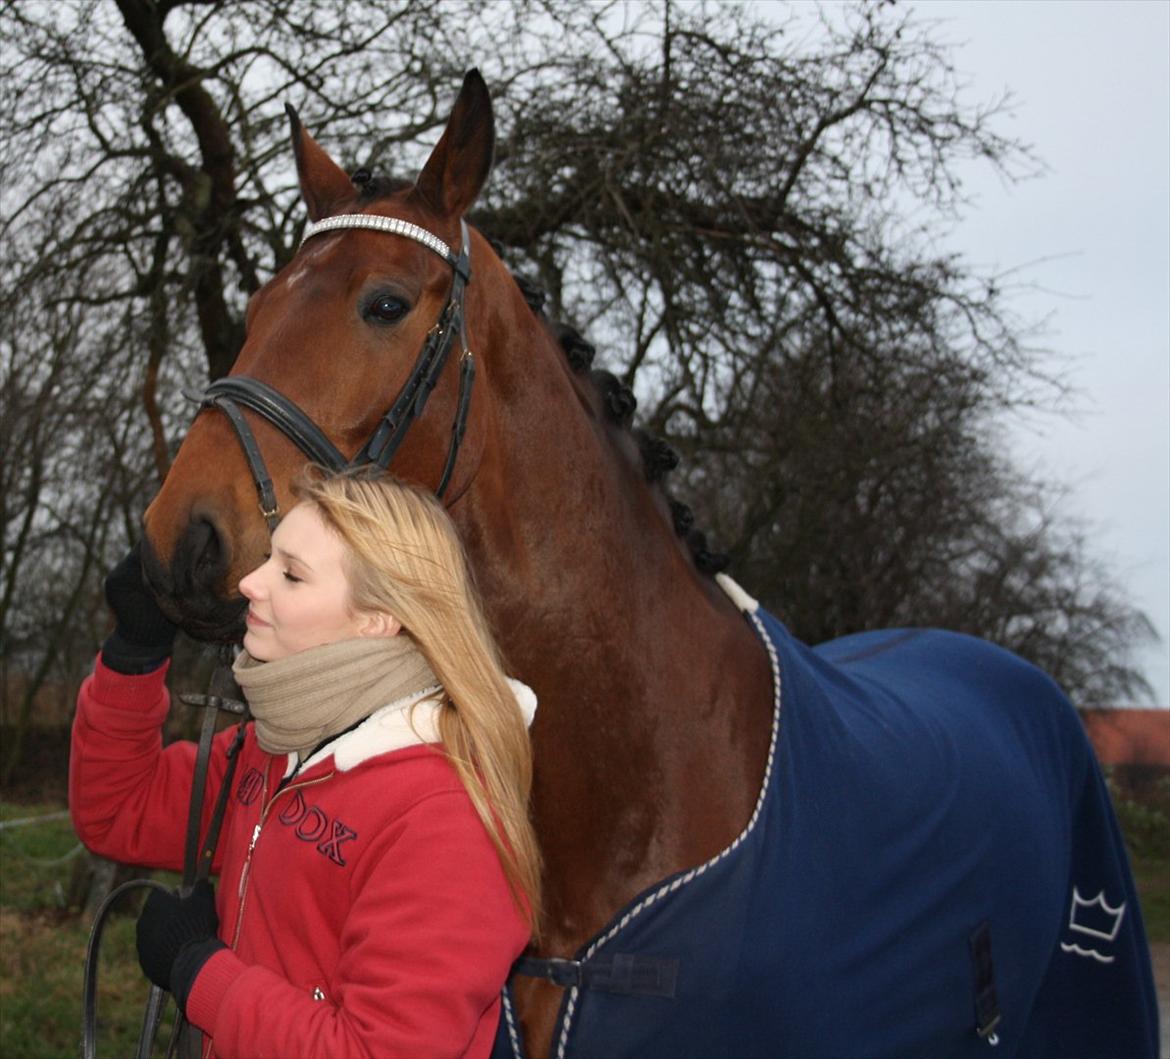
{"points": [[933, 869]]}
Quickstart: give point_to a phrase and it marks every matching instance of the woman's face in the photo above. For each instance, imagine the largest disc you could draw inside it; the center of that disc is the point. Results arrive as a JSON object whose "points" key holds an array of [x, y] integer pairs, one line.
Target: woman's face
{"points": [[299, 597]]}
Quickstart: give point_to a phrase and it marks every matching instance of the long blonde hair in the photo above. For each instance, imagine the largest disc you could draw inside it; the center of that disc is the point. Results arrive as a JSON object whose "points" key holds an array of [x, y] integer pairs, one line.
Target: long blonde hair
{"points": [[404, 558]]}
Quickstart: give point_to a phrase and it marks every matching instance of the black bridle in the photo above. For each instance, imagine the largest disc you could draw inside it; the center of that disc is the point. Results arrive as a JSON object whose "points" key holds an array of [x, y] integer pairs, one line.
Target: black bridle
{"points": [[232, 392]]}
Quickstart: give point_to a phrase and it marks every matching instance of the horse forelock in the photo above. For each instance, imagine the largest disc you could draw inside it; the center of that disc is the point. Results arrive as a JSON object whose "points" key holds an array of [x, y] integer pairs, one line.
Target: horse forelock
{"points": [[371, 187]]}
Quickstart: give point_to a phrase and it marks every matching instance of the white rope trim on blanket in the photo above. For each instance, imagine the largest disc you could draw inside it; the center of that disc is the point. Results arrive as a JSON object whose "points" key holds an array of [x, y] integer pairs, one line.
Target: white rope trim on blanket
{"points": [[744, 603], [513, 1034], [378, 223], [681, 880]]}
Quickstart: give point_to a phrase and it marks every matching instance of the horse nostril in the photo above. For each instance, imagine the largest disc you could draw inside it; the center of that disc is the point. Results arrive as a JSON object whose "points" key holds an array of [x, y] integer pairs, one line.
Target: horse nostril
{"points": [[208, 547], [200, 561]]}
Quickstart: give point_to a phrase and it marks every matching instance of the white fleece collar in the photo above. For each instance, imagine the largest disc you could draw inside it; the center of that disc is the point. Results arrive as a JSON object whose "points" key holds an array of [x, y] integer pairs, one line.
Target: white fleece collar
{"points": [[411, 721]]}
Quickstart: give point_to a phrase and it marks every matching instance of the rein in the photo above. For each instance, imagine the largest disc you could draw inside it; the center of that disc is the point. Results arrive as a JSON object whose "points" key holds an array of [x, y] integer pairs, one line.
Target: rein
{"points": [[233, 391], [197, 859]]}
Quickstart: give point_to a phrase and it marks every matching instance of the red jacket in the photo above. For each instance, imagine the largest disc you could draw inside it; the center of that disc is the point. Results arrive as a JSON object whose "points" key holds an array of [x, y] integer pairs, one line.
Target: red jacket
{"points": [[364, 905]]}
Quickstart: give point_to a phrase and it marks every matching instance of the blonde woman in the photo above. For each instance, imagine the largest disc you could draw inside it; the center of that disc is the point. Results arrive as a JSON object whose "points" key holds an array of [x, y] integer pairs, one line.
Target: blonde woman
{"points": [[377, 871]]}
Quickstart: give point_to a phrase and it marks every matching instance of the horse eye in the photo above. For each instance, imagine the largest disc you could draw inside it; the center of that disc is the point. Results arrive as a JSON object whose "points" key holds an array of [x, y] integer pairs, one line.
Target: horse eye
{"points": [[386, 309]]}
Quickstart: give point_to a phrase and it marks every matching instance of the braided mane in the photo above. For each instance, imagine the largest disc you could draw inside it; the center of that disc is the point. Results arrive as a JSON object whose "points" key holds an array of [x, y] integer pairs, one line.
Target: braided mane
{"points": [[616, 400], [656, 456]]}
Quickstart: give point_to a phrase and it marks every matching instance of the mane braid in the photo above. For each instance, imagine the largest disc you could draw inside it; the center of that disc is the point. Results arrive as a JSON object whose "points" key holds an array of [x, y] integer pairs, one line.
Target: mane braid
{"points": [[657, 456]]}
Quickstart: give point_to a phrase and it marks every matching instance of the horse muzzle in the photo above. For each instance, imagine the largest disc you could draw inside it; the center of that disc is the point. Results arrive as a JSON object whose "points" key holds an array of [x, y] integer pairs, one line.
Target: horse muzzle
{"points": [[192, 588]]}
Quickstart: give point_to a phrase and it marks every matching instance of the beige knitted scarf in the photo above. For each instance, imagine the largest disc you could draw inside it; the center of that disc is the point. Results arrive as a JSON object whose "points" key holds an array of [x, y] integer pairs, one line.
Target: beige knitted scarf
{"points": [[307, 697]]}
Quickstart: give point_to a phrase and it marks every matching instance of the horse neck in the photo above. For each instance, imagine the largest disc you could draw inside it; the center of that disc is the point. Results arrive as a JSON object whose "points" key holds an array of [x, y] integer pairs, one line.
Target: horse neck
{"points": [[647, 676]]}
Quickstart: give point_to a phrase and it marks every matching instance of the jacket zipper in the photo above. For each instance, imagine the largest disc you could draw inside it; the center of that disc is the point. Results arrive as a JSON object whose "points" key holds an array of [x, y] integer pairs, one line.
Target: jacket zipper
{"points": [[242, 889]]}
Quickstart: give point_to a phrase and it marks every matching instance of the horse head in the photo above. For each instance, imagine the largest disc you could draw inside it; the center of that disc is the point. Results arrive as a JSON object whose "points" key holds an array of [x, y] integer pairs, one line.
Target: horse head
{"points": [[338, 337]]}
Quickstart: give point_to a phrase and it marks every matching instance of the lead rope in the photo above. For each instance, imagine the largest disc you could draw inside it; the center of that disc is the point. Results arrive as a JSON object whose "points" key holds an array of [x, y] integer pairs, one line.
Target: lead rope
{"points": [[197, 862]]}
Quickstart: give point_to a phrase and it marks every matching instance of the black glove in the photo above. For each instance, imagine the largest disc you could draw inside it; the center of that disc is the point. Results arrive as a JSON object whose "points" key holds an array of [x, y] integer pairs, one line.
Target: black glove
{"points": [[143, 635], [176, 937]]}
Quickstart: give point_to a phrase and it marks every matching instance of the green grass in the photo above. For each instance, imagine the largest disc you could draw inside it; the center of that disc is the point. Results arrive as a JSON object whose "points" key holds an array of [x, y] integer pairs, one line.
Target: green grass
{"points": [[1153, 882], [42, 950], [1145, 821]]}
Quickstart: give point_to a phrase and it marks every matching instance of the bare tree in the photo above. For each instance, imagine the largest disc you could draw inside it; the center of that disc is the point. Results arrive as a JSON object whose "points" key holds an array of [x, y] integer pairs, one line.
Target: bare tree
{"points": [[68, 474], [736, 210]]}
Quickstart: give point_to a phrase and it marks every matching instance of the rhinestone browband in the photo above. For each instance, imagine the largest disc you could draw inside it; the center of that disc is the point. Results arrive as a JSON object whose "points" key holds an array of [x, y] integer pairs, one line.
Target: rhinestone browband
{"points": [[377, 223]]}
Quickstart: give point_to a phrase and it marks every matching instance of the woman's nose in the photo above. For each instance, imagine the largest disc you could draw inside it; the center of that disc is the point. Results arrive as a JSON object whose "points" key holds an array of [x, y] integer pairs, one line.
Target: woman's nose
{"points": [[249, 584]]}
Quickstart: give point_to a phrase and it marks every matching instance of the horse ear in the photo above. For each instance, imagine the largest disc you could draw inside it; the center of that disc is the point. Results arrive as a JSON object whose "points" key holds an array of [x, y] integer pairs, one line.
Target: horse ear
{"points": [[324, 183], [458, 166]]}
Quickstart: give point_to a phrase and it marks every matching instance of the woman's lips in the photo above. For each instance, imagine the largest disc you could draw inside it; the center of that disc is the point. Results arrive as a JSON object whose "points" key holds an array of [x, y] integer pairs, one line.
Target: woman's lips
{"points": [[251, 619]]}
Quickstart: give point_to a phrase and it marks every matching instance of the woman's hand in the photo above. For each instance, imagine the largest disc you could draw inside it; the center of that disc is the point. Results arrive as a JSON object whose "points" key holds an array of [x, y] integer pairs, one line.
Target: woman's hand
{"points": [[143, 635], [176, 936]]}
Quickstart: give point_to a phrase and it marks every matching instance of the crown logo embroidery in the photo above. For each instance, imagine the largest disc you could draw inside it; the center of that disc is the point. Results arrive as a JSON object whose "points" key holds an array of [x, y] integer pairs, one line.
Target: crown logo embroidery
{"points": [[1094, 918]]}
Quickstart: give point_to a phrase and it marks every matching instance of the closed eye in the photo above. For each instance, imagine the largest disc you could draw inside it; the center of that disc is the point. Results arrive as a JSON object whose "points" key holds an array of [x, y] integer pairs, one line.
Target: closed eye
{"points": [[386, 308], [292, 577]]}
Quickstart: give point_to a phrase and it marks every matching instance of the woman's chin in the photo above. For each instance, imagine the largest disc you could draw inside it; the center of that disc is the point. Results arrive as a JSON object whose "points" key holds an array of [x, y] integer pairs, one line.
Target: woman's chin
{"points": [[256, 650]]}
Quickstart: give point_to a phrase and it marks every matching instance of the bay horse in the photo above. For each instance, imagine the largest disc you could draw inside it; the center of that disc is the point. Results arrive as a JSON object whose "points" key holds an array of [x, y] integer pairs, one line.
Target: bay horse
{"points": [[894, 844]]}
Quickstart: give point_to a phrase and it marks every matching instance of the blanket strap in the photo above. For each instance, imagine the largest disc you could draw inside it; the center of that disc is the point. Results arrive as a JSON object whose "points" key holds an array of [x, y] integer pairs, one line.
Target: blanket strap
{"points": [[987, 1014], [622, 973]]}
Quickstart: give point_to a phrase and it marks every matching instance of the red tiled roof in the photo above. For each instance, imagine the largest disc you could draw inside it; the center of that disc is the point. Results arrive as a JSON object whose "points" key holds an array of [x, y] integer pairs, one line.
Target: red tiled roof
{"points": [[1129, 736]]}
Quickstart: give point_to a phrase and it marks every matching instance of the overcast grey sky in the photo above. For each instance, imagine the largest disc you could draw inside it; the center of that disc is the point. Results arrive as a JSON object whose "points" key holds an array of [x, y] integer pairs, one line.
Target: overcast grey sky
{"points": [[1092, 83]]}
